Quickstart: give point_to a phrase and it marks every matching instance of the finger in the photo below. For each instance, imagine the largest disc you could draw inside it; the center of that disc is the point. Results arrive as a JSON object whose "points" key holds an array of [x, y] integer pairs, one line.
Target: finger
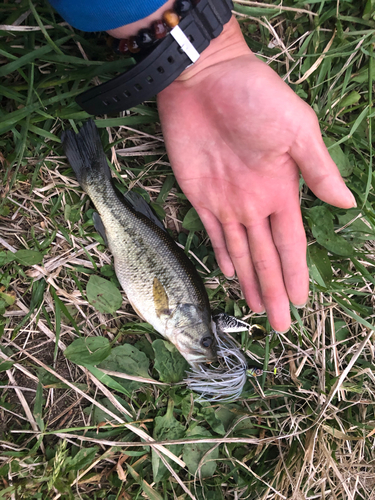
{"points": [[290, 240], [267, 266], [318, 169], [238, 248], [216, 235]]}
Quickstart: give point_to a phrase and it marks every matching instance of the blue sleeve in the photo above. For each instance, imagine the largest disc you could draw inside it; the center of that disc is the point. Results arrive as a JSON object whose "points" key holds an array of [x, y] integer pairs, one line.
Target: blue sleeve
{"points": [[103, 15]]}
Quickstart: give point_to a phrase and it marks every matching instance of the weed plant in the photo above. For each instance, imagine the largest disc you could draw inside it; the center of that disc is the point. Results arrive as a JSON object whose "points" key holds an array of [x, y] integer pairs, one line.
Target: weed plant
{"points": [[69, 427]]}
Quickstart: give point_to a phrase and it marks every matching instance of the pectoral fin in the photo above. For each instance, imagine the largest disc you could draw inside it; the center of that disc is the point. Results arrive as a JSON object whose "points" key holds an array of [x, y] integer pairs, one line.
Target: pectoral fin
{"points": [[161, 301]]}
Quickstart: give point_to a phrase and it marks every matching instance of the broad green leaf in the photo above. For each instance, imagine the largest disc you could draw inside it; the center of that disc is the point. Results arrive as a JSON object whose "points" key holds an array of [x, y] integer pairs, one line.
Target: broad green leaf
{"points": [[103, 294], [71, 214], [6, 257], [83, 459], [226, 414], [107, 270], [363, 74], [130, 360], [9, 299], [350, 99], [48, 379], [339, 157], [88, 350], [108, 380], [166, 427], [321, 223], [357, 232], [212, 418], [28, 257], [45, 377], [192, 221], [169, 363], [358, 225], [6, 365], [193, 454], [244, 425], [319, 258], [145, 346]]}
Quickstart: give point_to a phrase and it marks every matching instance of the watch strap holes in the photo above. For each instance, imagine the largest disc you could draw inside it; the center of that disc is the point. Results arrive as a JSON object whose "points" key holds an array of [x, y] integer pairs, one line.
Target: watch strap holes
{"points": [[170, 60], [138, 87], [149, 79], [160, 69], [126, 93]]}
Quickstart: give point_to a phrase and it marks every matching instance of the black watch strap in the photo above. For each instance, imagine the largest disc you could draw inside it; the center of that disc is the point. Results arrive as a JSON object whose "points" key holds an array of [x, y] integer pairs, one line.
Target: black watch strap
{"points": [[163, 65]]}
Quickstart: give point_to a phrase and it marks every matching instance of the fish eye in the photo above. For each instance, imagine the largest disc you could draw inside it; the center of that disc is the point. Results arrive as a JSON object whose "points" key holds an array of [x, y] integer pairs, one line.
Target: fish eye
{"points": [[206, 341]]}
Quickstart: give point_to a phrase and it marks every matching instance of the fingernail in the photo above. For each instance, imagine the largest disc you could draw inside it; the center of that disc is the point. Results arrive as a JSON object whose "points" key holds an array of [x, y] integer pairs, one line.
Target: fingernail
{"points": [[284, 331], [230, 277], [261, 312], [354, 201], [300, 306]]}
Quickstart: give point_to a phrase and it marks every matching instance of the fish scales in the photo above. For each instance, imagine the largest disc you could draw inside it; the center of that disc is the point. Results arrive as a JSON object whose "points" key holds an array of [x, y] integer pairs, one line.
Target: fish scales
{"points": [[159, 280], [142, 252]]}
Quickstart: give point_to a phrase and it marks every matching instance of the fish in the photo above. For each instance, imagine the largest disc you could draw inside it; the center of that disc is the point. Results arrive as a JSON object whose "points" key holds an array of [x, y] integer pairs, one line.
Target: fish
{"points": [[160, 281]]}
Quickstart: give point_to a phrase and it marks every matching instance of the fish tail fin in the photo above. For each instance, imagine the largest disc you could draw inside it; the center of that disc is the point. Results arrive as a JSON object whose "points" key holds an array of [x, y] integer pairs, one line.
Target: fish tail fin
{"points": [[85, 153]]}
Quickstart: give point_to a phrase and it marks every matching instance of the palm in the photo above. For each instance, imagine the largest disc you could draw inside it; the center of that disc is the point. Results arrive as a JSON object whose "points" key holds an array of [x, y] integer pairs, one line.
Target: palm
{"points": [[235, 134]]}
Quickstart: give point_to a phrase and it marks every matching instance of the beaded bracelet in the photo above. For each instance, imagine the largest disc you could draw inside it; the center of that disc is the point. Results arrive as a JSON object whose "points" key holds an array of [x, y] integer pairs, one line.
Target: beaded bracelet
{"points": [[147, 37]]}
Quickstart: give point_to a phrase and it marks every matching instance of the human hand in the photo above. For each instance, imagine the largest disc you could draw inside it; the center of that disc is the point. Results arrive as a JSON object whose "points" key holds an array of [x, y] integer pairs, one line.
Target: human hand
{"points": [[237, 137]]}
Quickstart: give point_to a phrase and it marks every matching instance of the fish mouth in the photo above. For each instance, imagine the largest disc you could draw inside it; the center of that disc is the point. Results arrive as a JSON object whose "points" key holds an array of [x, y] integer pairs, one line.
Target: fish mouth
{"points": [[196, 358]]}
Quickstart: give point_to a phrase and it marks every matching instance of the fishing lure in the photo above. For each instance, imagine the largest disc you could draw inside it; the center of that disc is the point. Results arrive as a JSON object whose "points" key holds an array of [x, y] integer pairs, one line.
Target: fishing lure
{"points": [[224, 381]]}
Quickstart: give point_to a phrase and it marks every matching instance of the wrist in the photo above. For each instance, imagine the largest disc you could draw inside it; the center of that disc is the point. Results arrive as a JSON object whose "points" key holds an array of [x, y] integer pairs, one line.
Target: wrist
{"points": [[166, 57], [229, 45]]}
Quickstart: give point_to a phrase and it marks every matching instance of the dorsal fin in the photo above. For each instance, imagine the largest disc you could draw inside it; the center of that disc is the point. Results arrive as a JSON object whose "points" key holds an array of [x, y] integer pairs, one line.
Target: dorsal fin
{"points": [[140, 205]]}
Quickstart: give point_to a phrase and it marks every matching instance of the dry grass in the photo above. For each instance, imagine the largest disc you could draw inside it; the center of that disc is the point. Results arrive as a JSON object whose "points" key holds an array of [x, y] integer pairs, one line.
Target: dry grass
{"points": [[307, 432]]}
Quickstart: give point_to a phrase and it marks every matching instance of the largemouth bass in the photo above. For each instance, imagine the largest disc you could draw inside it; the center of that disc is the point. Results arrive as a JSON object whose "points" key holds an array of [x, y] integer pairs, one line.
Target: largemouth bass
{"points": [[159, 280]]}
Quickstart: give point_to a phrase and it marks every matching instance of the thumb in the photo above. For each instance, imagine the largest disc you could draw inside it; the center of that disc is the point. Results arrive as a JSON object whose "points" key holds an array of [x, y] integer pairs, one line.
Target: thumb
{"points": [[318, 169]]}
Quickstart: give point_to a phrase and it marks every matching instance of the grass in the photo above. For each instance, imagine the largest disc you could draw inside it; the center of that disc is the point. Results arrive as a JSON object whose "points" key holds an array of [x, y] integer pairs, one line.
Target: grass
{"points": [[69, 431]]}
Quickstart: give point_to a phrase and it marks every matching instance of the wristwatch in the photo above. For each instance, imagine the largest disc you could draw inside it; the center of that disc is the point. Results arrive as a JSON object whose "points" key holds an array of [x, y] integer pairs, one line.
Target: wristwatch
{"points": [[171, 56]]}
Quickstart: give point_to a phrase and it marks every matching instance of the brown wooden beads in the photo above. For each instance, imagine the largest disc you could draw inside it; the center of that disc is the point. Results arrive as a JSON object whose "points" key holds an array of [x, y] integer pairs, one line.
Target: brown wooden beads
{"points": [[134, 48], [171, 18], [159, 29]]}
